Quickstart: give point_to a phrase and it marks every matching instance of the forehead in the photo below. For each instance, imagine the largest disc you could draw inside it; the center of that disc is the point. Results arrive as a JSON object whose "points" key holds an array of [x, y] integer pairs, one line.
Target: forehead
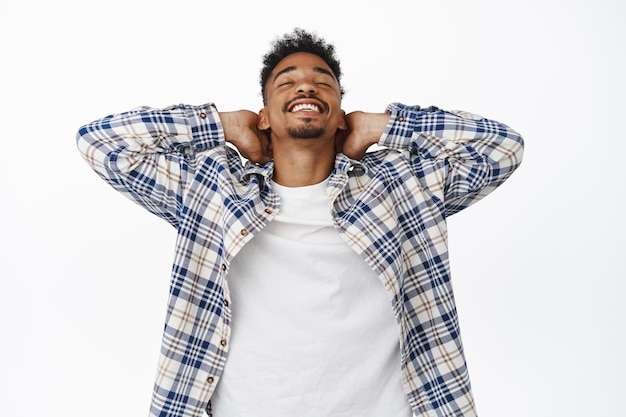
{"points": [[301, 60]]}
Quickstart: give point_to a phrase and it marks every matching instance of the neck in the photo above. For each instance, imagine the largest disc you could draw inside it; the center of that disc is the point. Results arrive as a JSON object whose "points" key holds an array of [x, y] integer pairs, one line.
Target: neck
{"points": [[302, 162]]}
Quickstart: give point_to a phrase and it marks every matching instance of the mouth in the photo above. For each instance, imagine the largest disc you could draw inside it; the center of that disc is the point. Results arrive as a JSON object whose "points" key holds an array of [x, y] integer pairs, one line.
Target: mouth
{"points": [[306, 105]]}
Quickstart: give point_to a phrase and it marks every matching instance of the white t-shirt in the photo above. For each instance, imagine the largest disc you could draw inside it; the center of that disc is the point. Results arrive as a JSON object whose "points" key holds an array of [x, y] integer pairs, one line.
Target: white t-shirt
{"points": [[313, 332]]}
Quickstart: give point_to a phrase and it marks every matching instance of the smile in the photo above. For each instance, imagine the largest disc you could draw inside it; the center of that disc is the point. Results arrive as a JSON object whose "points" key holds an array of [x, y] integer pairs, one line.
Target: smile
{"points": [[304, 104], [309, 107]]}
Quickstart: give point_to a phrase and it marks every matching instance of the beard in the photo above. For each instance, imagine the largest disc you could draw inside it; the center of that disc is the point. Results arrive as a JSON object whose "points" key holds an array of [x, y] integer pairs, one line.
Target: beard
{"points": [[306, 131]]}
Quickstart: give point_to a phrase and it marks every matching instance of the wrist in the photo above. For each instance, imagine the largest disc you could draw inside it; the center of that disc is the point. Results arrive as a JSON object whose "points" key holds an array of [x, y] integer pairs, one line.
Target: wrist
{"points": [[376, 125], [228, 125]]}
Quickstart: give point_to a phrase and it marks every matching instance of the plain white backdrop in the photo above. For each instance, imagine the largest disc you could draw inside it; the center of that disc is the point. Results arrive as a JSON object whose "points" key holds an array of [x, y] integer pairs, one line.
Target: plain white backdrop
{"points": [[538, 267]]}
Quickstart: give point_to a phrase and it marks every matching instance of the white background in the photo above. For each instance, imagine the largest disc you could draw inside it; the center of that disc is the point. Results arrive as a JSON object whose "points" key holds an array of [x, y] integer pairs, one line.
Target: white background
{"points": [[538, 266]]}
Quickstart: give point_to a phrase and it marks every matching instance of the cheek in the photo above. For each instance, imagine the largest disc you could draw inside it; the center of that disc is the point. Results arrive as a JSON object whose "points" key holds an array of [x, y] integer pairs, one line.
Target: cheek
{"points": [[274, 104], [276, 117]]}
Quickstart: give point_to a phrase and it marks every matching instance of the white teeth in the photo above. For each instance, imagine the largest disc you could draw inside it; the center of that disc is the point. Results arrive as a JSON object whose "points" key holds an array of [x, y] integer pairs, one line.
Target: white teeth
{"points": [[306, 107]]}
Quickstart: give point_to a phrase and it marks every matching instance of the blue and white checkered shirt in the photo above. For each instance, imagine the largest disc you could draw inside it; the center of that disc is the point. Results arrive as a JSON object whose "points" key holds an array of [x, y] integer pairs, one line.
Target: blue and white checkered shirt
{"points": [[391, 207]]}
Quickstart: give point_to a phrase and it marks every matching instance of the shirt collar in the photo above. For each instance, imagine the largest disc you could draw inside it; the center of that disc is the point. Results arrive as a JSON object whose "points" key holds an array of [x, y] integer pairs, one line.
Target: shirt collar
{"points": [[266, 171], [343, 165]]}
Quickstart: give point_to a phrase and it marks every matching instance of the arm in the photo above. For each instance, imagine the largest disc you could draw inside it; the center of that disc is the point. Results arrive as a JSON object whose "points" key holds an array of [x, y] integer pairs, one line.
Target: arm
{"points": [[460, 156], [149, 154]]}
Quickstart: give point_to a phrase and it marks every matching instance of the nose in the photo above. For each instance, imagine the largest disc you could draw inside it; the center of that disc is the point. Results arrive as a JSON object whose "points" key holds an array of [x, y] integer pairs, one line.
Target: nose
{"points": [[305, 86]]}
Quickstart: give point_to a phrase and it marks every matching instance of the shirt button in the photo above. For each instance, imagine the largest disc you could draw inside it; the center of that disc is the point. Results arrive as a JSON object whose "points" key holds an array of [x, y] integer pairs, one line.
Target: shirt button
{"points": [[210, 380], [223, 267], [203, 115], [401, 119], [226, 303], [268, 211], [244, 232], [223, 342]]}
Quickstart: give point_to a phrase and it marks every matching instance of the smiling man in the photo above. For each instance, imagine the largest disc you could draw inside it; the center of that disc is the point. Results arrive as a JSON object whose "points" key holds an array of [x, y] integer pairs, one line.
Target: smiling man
{"points": [[314, 279]]}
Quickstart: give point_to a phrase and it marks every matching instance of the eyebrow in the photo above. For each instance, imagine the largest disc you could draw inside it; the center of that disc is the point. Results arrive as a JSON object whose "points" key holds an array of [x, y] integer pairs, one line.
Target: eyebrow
{"points": [[315, 69]]}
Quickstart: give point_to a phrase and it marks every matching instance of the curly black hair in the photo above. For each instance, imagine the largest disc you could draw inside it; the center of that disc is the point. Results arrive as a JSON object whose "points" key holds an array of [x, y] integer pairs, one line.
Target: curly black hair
{"points": [[299, 41]]}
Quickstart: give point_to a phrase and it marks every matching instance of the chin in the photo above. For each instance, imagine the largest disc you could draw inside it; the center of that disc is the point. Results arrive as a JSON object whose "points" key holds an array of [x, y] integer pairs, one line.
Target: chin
{"points": [[306, 132]]}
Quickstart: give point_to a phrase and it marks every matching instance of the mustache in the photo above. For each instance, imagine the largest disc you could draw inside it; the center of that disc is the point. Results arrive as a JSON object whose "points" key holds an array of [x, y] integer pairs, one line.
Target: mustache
{"points": [[304, 96]]}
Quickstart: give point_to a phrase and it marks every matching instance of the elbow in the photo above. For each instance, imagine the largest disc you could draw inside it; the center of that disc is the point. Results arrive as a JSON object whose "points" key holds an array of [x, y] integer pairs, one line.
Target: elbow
{"points": [[511, 149], [82, 132], [83, 140], [517, 149]]}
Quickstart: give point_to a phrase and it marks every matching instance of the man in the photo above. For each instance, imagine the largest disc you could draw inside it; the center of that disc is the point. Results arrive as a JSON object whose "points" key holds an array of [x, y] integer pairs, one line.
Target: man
{"points": [[313, 281]]}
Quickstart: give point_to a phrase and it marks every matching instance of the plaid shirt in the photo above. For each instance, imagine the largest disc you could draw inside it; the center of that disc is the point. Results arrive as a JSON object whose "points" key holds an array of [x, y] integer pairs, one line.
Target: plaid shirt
{"points": [[391, 208]]}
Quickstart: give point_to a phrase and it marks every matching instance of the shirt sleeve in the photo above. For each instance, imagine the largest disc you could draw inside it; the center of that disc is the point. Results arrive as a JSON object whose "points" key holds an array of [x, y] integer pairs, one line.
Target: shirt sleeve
{"points": [[456, 154], [149, 154]]}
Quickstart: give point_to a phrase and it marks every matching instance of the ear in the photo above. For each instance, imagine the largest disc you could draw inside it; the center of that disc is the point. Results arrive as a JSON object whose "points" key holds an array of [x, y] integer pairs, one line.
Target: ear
{"points": [[343, 125], [263, 122]]}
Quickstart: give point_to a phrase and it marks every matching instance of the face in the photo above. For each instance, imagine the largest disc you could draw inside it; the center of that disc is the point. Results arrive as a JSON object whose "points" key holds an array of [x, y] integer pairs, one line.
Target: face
{"points": [[303, 99]]}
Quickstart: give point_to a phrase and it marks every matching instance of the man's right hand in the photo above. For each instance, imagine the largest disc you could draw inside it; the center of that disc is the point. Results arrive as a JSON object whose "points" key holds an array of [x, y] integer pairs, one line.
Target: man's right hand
{"points": [[240, 129]]}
